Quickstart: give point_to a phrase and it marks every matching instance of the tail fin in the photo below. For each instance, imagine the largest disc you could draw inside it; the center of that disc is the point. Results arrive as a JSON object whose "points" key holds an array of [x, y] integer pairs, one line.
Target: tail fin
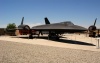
{"points": [[46, 20], [95, 21], [22, 21]]}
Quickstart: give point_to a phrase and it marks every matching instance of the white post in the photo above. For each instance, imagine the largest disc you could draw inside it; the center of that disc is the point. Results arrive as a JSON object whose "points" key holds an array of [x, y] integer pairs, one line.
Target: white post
{"points": [[98, 44]]}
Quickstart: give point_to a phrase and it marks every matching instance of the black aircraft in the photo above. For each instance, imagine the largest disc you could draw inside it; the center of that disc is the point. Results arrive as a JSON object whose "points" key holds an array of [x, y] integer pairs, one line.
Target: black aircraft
{"points": [[54, 30]]}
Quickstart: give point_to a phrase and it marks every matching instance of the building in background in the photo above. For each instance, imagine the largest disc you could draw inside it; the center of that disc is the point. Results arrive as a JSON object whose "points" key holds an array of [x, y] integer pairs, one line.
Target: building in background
{"points": [[2, 31]]}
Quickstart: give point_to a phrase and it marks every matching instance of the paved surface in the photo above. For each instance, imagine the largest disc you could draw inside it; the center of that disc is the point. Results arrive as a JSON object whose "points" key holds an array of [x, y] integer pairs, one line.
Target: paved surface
{"points": [[72, 41], [12, 52]]}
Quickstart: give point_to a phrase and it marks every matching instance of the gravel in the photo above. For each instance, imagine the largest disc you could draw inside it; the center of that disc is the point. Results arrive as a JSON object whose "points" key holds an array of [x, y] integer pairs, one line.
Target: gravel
{"points": [[11, 52]]}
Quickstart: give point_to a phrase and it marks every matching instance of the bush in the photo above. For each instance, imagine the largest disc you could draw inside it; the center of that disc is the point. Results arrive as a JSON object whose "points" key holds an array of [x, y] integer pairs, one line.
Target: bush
{"points": [[10, 29]]}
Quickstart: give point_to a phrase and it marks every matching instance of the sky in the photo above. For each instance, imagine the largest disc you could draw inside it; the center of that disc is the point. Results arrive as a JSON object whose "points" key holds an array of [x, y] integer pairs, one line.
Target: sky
{"points": [[80, 12]]}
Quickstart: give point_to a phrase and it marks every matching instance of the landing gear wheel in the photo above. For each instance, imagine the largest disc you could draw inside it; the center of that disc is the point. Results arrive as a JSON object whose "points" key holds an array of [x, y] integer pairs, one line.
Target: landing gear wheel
{"points": [[57, 38], [30, 37], [53, 37]]}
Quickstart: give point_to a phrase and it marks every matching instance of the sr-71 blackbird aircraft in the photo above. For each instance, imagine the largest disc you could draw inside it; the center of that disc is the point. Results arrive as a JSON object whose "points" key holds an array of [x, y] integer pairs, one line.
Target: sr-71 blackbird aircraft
{"points": [[54, 30]]}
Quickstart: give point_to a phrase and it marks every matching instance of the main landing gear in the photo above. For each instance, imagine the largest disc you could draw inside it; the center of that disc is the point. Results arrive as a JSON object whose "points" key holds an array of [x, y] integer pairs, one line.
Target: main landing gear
{"points": [[53, 36], [30, 36]]}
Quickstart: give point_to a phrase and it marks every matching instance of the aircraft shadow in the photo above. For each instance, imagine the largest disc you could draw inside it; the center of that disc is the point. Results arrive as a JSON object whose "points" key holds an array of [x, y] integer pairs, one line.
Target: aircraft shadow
{"points": [[75, 42], [63, 41], [69, 41]]}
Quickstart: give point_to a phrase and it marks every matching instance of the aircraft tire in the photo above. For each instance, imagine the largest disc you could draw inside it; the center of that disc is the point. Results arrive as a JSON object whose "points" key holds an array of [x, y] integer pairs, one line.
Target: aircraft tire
{"points": [[57, 38], [30, 37]]}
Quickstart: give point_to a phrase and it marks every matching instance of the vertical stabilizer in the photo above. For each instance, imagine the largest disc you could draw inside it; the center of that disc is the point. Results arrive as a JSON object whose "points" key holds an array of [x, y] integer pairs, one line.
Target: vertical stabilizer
{"points": [[95, 21], [22, 21], [46, 20]]}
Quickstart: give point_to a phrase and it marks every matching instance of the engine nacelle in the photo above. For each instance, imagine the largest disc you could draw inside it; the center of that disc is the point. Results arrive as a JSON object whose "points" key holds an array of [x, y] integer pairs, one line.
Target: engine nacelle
{"points": [[92, 28]]}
